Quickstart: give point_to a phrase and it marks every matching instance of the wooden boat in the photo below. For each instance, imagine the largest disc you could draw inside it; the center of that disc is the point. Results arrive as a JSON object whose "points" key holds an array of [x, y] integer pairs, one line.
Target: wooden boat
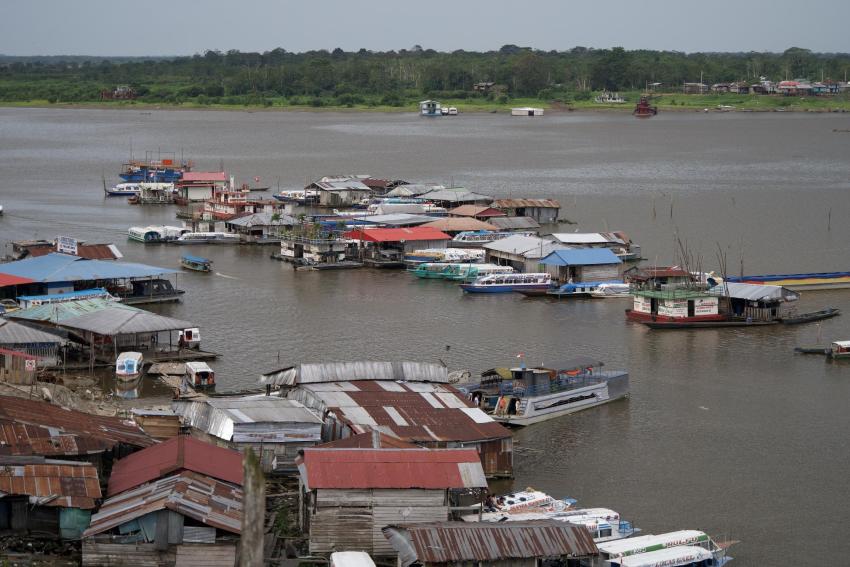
{"points": [[129, 366], [199, 376], [707, 324], [810, 317], [643, 109], [812, 350], [196, 263]]}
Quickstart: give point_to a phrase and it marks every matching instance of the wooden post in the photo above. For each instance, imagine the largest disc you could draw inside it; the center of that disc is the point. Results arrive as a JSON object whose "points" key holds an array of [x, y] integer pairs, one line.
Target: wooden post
{"points": [[253, 511]]}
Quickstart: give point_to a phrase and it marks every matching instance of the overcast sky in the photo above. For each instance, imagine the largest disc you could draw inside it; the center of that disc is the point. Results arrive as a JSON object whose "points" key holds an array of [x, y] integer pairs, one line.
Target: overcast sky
{"points": [[182, 27]]}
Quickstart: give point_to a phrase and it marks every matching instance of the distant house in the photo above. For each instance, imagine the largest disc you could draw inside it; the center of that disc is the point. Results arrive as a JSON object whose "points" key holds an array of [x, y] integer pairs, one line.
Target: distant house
{"points": [[197, 186], [477, 212], [542, 210], [454, 225], [349, 494], [523, 253], [393, 244], [340, 193], [254, 227], [694, 88], [483, 87], [453, 197], [720, 87], [583, 265]]}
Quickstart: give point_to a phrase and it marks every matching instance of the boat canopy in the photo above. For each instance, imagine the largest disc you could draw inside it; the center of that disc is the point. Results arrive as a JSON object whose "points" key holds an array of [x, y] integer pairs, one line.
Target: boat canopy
{"points": [[842, 344], [196, 259], [755, 292], [645, 543], [668, 557]]}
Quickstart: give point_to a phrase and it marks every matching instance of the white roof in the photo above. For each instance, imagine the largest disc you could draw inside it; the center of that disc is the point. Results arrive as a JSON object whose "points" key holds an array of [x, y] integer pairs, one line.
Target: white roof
{"points": [[351, 559], [581, 237], [622, 546], [842, 344], [669, 557], [756, 292], [528, 246]]}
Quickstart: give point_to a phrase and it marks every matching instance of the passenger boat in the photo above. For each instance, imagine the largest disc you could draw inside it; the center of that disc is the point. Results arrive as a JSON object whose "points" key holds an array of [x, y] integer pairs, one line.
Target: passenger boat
{"points": [[581, 289], [155, 234], [505, 283], [603, 524], [129, 366], [471, 272], [799, 282], [196, 263], [643, 109], [199, 376], [190, 338], [456, 255], [481, 237], [679, 556], [207, 238], [298, 196], [156, 290], [643, 544], [526, 111], [431, 270], [531, 395], [607, 290], [135, 189]]}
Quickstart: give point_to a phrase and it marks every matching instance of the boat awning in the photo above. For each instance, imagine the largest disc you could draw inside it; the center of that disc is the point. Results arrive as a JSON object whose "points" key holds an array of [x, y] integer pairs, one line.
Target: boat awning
{"points": [[755, 292], [842, 344], [196, 259]]}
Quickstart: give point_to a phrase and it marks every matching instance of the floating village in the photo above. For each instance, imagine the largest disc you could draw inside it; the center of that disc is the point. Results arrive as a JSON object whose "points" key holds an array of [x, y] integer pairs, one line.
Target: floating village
{"points": [[347, 463]]}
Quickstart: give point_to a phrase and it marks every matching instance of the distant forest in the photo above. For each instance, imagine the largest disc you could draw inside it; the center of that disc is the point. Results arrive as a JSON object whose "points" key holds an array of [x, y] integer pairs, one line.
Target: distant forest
{"points": [[395, 77]]}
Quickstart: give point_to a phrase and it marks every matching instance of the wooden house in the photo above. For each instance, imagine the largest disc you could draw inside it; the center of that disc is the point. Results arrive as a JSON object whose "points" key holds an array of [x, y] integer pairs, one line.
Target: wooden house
{"points": [[349, 494], [542, 210]]}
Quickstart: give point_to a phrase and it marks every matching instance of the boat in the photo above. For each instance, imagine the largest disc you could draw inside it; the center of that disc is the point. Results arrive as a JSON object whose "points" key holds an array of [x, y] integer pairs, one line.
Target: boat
{"points": [[526, 111], [607, 290], [799, 282], [430, 270], [839, 349], [136, 189], [470, 272], [452, 111], [505, 283], [581, 289], [810, 317], [643, 109], [129, 366], [430, 108], [196, 263], [138, 292], [667, 324], [298, 196], [457, 255], [199, 376], [166, 170], [523, 396], [603, 524], [207, 238], [679, 556], [155, 234], [642, 544], [189, 338]]}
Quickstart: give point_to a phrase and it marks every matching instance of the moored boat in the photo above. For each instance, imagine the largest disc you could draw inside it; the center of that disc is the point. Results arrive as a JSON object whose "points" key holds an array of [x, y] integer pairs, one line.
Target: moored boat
{"points": [[798, 319], [199, 376], [129, 366], [196, 263], [840, 349], [581, 289], [643, 544], [471, 272], [799, 282], [160, 170], [506, 283], [430, 270], [608, 290], [155, 234], [679, 556], [207, 238], [643, 109]]}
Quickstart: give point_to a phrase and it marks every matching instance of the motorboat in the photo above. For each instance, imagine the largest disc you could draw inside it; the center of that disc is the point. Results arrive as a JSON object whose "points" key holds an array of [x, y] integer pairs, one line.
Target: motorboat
{"points": [[644, 544], [129, 366], [611, 289], [155, 234], [196, 263], [505, 283], [199, 376], [207, 238]]}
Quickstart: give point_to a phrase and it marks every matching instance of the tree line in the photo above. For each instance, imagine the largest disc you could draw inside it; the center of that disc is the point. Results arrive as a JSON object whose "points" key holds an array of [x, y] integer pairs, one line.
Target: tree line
{"points": [[394, 77]]}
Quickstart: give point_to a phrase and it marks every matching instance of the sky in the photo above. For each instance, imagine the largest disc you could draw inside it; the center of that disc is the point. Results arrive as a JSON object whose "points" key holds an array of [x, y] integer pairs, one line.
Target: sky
{"points": [[182, 27]]}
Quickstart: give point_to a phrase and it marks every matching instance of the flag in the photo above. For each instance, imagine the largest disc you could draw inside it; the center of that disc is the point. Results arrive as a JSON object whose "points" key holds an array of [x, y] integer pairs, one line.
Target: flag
{"points": [[520, 355], [256, 179]]}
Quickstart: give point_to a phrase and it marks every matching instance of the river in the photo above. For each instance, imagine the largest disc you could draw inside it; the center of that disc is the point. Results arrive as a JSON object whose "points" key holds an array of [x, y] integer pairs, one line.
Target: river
{"points": [[727, 431]]}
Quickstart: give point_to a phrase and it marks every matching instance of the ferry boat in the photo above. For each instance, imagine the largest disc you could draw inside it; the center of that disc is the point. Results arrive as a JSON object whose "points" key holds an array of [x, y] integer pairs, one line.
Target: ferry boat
{"points": [[614, 550], [679, 556], [471, 272], [481, 237], [505, 283], [430, 270], [196, 263], [129, 366], [199, 376], [532, 395], [799, 282], [161, 170], [207, 238], [643, 109], [456, 255], [135, 189], [155, 234]]}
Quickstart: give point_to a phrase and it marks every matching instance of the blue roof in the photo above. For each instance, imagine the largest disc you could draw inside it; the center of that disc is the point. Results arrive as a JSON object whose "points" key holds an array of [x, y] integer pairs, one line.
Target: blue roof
{"points": [[57, 267], [581, 257], [196, 259], [85, 293]]}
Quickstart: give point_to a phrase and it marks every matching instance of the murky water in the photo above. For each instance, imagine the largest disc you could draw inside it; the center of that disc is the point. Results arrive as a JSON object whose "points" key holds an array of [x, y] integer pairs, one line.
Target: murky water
{"points": [[726, 430]]}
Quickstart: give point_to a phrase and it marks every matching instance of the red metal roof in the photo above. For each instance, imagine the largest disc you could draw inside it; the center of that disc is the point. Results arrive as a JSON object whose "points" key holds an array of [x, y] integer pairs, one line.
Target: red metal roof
{"points": [[87, 251], [8, 279], [176, 454], [76, 432], [204, 176], [59, 483], [397, 234], [391, 468], [369, 441]]}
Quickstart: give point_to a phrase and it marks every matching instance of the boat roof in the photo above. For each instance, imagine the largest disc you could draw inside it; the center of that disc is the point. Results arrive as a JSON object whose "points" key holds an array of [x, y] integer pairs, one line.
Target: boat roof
{"points": [[197, 259], [842, 344], [198, 366], [669, 557], [130, 355], [625, 546]]}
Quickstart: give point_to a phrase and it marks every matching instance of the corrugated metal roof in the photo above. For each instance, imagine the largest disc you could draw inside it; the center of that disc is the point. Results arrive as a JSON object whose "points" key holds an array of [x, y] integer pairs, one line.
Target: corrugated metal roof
{"points": [[515, 223], [428, 412], [56, 267], [414, 189], [585, 238], [333, 186], [371, 440], [283, 420], [86, 251], [755, 292], [581, 257], [526, 246], [177, 454], [12, 333], [65, 484], [263, 218], [526, 203], [449, 542], [476, 211], [398, 219], [207, 500], [69, 432], [10, 280], [364, 370], [397, 234], [101, 316], [391, 468], [458, 224], [456, 196], [204, 176]]}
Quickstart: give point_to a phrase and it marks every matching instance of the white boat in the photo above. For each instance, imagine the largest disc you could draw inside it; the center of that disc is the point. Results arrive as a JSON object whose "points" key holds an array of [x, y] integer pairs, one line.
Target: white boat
{"points": [[506, 283], [471, 272], [152, 234], [643, 544], [207, 238], [129, 366], [452, 111], [526, 111], [130, 189], [532, 395], [608, 290], [190, 338], [680, 556], [199, 376], [603, 524], [840, 349], [459, 255]]}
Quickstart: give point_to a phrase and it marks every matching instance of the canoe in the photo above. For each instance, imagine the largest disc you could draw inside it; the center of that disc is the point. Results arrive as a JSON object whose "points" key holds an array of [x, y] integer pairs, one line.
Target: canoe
{"points": [[810, 317]]}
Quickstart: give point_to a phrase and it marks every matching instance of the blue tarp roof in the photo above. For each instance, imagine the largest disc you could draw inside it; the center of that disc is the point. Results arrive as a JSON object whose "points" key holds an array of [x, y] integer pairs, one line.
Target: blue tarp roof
{"points": [[196, 259], [65, 268], [581, 257]]}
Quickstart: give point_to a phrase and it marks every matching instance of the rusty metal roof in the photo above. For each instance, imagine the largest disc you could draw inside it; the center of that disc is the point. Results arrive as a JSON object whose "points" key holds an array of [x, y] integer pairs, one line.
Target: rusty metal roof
{"points": [[371, 440], [456, 224], [65, 484], [391, 468], [526, 203], [34, 427], [412, 411], [176, 454], [87, 251], [207, 500], [475, 211], [363, 370], [449, 542]]}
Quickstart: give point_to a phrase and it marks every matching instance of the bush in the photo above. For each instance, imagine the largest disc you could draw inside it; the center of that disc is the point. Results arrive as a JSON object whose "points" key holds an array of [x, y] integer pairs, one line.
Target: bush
{"points": [[53, 99], [317, 102], [583, 95], [503, 99]]}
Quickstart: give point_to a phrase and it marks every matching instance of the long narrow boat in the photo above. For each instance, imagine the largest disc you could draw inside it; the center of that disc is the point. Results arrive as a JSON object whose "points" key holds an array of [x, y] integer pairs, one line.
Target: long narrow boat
{"points": [[506, 283], [800, 282], [810, 317], [196, 263]]}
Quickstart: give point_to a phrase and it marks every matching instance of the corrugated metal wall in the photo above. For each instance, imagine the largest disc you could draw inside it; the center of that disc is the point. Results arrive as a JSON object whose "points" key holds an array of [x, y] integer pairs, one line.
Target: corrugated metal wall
{"points": [[604, 272]]}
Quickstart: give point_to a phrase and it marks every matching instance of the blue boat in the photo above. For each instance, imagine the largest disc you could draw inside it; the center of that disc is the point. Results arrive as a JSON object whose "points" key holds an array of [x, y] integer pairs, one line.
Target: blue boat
{"points": [[154, 170], [196, 263], [506, 283]]}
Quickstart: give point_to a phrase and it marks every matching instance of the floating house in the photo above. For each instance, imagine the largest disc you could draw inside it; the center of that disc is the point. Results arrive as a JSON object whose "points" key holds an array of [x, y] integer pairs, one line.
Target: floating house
{"points": [[583, 265], [393, 244], [542, 210], [477, 212], [41, 345], [516, 544], [514, 224], [196, 186], [34, 248], [453, 197], [522, 252], [343, 193], [410, 401], [46, 498], [454, 225], [617, 242], [275, 428], [349, 494], [301, 248], [257, 227]]}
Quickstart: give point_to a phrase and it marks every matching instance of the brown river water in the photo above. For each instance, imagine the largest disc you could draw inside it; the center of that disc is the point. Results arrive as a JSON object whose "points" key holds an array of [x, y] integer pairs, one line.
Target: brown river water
{"points": [[727, 431]]}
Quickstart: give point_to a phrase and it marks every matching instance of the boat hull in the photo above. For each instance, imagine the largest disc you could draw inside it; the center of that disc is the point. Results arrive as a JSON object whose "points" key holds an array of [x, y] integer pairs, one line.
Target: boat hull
{"points": [[507, 288], [640, 317]]}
